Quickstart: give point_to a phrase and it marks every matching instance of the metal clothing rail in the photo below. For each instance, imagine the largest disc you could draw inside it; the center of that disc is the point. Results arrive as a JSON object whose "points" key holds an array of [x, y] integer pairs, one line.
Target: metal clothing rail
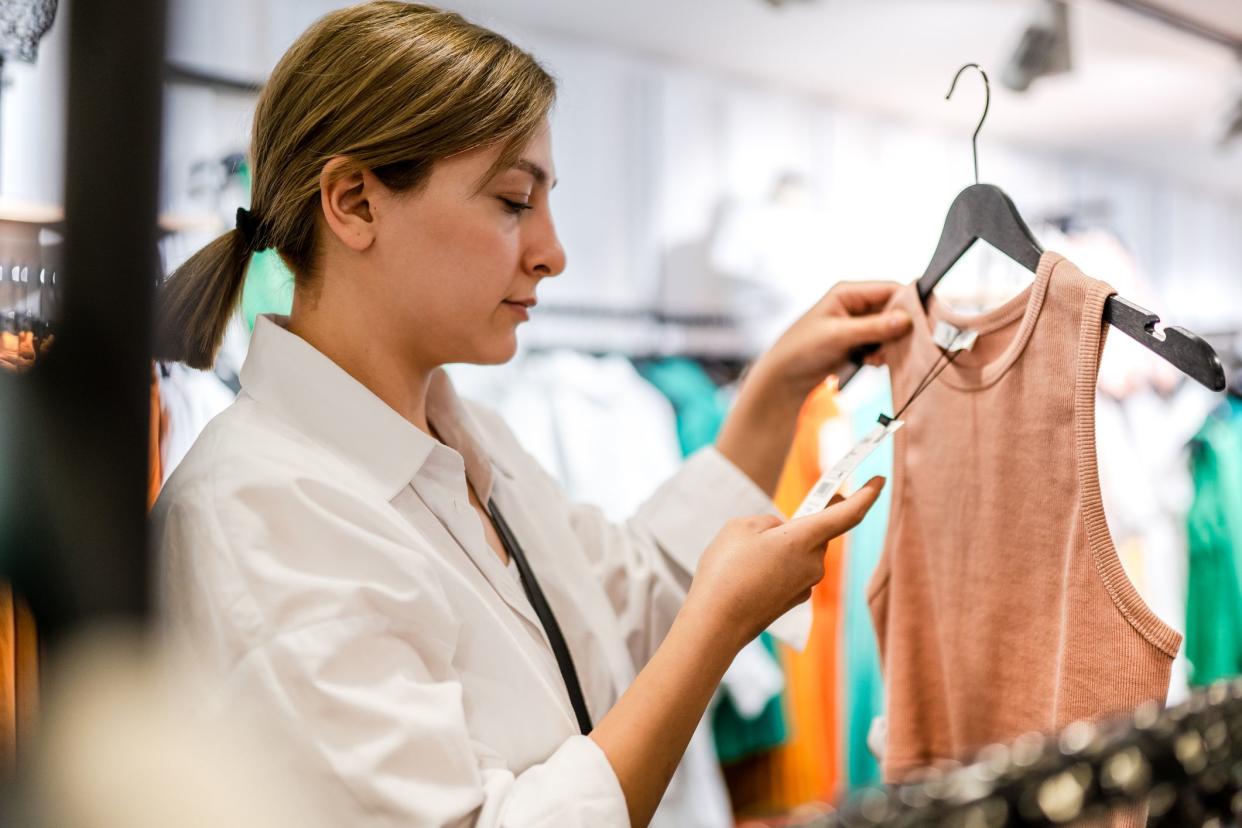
{"points": [[193, 76], [1184, 765], [644, 314], [73, 534]]}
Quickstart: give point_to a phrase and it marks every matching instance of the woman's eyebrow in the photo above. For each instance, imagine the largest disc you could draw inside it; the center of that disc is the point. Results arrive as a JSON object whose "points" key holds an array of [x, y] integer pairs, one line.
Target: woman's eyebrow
{"points": [[537, 172]]}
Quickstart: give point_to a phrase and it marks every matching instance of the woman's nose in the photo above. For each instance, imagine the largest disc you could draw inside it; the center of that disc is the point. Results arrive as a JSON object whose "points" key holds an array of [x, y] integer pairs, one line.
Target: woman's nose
{"points": [[546, 257]]}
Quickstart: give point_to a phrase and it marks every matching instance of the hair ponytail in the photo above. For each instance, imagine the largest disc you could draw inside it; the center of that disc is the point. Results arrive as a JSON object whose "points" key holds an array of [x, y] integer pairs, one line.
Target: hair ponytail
{"points": [[193, 306]]}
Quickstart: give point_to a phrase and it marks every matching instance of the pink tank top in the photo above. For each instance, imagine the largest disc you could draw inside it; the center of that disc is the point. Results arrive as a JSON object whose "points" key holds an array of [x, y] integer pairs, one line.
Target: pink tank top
{"points": [[999, 602]]}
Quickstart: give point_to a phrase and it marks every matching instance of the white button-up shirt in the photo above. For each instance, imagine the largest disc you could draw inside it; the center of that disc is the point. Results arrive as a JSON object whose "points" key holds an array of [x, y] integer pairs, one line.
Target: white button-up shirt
{"points": [[319, 555]]}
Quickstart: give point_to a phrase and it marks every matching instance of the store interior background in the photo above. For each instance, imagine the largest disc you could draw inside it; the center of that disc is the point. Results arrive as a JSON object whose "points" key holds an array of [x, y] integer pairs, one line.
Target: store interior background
{"points": [[722, 163]]}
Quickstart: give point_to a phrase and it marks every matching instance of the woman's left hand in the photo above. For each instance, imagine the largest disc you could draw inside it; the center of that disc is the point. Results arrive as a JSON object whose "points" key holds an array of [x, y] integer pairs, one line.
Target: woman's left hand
{"points": [[758, 431]]}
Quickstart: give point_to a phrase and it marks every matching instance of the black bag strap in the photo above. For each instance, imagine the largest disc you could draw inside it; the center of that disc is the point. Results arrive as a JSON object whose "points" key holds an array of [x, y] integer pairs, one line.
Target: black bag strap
{"points": [[540, 604]]}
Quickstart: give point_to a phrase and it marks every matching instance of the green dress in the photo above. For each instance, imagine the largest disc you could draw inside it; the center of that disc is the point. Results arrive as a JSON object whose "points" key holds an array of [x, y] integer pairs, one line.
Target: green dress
{"points": [[1214, 534]]}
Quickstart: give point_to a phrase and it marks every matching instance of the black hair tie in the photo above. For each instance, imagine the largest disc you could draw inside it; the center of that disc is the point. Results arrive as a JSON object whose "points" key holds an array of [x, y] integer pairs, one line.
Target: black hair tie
{"points": [[250, 227]]}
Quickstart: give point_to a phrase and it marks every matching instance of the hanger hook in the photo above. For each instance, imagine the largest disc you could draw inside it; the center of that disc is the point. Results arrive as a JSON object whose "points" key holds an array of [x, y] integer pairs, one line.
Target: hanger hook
{"points": [[987, 102]]}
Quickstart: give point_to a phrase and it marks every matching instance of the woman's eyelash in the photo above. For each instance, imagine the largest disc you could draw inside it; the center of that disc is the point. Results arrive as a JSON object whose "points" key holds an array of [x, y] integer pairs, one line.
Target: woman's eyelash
{"points": [[515, 206]]}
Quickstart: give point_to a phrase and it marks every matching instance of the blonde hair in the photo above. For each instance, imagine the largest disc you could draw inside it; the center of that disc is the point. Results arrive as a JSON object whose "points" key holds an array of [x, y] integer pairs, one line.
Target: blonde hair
{"points": [[390, 86]]}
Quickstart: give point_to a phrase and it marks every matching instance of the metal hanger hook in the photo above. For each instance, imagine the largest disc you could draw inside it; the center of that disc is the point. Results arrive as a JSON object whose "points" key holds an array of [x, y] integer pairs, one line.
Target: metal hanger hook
{"points": [[987, 102]]}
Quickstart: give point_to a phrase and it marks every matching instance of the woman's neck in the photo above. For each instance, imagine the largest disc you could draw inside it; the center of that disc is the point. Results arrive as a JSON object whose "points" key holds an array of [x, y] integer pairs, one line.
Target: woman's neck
{"points": [[365, 358]]}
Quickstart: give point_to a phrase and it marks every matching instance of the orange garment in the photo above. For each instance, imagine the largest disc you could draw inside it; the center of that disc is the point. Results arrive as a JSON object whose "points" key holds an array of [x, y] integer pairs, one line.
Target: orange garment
{"points": [[19, 658], [8, 682], [807, 768], [19, 662], [18, 678], [999, 603], [157, 428], [16, 351]]}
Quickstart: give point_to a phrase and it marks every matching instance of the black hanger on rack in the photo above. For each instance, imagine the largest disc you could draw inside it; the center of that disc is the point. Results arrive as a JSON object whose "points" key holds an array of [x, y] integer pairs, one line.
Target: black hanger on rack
{"points": [[984, 211]]}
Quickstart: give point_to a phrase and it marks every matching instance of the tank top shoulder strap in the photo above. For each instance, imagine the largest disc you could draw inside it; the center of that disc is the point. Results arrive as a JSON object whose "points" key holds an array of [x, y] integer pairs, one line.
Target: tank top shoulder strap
{"points": [[1092, 333]]}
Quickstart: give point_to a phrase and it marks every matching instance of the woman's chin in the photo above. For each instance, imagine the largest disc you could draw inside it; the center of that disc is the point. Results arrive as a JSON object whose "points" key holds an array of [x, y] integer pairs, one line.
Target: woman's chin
{"points": [[496, 352]]}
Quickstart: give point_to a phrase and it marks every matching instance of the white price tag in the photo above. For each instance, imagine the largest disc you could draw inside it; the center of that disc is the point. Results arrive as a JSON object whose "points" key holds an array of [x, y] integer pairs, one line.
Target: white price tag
{"points": [[952, 338], [831, 480]]}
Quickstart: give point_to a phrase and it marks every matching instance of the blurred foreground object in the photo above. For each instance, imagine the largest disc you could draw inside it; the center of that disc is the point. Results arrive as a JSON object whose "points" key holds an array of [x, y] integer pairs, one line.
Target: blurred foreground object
{"points": [[121, 747], [1183, 764]]}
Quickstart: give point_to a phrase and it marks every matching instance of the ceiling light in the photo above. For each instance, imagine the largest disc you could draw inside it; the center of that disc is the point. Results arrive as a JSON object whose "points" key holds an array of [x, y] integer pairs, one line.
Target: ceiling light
{"points": [[1044, 48]]}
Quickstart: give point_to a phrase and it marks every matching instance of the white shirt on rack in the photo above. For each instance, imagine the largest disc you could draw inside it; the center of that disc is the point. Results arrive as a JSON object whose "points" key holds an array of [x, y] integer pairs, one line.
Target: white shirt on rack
{"points": [[319, 556]]}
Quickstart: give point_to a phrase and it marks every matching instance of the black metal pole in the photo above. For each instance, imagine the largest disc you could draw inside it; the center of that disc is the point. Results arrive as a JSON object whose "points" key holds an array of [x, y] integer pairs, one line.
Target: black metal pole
{"points": [[1189, 25], [84, 410]]}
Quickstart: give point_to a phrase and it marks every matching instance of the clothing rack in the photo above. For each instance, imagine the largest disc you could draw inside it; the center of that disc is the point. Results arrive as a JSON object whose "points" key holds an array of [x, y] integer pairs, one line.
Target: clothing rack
{"points": [[642, 332], [1184, 764], [647, 314], [29, 297]]}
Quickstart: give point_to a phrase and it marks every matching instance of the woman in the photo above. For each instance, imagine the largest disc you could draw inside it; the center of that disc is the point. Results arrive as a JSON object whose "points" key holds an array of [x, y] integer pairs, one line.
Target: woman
{"points": [[443, 636]]}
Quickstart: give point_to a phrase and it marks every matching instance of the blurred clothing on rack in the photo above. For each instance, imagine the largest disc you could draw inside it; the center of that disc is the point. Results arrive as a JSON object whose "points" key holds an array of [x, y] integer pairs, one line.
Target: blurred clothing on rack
{"points": [[1214, 530], [863, 400], [190, 399], [806, 768]]}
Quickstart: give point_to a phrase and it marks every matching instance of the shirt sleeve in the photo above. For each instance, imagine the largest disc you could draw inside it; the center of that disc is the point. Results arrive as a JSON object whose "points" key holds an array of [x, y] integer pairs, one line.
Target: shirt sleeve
{"points": [[350, 661], [370, 712], [646, 563]]}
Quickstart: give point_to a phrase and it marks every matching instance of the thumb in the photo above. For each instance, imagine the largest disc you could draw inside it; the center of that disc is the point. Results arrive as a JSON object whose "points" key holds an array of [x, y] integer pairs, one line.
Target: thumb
{"points": [[850, 331], [817, 529]]}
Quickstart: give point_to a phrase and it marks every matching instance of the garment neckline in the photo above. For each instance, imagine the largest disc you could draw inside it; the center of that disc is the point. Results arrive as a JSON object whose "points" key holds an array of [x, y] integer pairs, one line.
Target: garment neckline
{"points": [[964, 373]]}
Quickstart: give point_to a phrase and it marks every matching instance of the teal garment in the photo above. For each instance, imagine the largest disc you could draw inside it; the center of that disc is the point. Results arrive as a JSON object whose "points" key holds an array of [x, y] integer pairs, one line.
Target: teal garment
{"points": [[1214, 541], [700, 408], [699, 405], [863, 685], [268, 287]]}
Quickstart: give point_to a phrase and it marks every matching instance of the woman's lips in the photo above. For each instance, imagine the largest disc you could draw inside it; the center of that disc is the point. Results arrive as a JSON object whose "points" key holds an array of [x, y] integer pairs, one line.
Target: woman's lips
{"points": [[521, 308]]}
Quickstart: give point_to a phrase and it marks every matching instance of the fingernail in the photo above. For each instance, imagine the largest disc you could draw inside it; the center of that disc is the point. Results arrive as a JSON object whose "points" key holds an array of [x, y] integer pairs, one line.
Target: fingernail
{"points": [[898, 320]]}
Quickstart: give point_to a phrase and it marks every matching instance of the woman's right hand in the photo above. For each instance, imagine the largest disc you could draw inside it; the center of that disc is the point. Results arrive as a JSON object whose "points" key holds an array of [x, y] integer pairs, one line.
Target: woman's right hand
{"points": [[759, 567], [754, 570]]}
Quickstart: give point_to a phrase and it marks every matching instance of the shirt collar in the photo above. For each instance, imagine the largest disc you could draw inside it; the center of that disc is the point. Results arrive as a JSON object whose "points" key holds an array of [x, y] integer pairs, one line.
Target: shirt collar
{"points": [[287, 374]]}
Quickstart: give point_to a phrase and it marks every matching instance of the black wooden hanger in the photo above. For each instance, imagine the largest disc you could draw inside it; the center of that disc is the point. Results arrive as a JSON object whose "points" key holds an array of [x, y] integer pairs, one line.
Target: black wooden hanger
{"points": [[983, 211]]}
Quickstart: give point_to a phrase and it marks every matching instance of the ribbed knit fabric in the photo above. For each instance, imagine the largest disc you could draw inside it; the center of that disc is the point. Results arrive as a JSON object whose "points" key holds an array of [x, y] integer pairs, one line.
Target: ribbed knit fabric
{"points": [[999, 602]]}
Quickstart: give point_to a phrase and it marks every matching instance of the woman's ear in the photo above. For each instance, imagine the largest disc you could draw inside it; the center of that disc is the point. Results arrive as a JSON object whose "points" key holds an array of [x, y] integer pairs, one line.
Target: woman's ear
{"points": [[347, 204]]}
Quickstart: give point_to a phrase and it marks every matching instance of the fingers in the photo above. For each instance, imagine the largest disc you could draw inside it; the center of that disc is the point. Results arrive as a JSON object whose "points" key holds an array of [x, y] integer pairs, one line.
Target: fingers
{"points": [[851, 331], [863, 297], [816, 530]]}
